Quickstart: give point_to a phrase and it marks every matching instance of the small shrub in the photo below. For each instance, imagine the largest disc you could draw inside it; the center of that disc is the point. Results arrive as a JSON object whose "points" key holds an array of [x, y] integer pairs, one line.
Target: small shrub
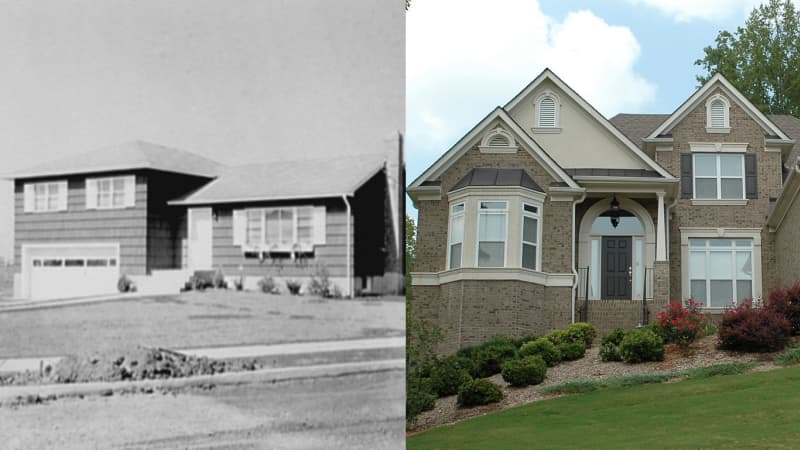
{"points": [[786, 302], [520, 341], [682, 324], [749, 329], [790, 358], [238, 283], [479, 392], [640, 346], [581, 331], [293, 287], [267, 285], [491, 355], [615, 337], [609, 345], [219, 280], [447, 375], [544, 348], [571, 351], [321, 285], [125, 284], [467, 364], [419, 398], [525, 371], [557, 336]]}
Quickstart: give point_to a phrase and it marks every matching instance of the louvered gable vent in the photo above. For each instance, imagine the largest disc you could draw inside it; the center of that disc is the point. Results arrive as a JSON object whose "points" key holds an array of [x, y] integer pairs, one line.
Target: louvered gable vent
{"points": [[547, 113], [717, 114], [498, 140]]}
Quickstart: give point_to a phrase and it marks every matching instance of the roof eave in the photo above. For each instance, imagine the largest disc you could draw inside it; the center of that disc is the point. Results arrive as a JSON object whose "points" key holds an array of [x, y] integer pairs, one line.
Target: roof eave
{"points": [[260, 198], [791, 188]]}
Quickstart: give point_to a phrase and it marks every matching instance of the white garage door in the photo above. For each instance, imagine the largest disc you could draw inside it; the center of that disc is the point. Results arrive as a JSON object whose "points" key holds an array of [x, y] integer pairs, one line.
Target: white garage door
{"points": [[72, 271]]}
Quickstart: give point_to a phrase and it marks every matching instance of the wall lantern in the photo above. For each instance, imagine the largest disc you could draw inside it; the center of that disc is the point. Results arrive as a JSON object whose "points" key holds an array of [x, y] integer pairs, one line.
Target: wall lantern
{"points": [[614, 212]]}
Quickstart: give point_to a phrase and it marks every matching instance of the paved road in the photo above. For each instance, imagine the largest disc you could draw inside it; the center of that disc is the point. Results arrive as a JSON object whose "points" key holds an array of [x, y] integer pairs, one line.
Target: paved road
{"points": [[362, 410]]}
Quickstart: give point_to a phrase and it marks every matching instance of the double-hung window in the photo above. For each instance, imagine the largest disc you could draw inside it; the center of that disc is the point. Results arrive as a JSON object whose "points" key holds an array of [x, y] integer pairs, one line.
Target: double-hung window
{"points": [[111, 192], [47, 196], [530, 236], [719, 176], [720, 271], [492, 233], [456, 235], [285, 229]]}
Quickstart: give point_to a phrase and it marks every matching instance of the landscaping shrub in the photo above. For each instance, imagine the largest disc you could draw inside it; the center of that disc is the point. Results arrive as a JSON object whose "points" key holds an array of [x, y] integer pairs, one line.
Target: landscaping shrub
{"points": [[267, 285], [491, 355], [571, 351], [786, 302], [419, 398], [544, 348], [321, 285], [238, 283], [749, 329], [293, 286], [219, 280], [466, 364], [519, 342], [125, 284], [791, 357], [581, 331], [524, 371], [640, 346], [557, 336], [609, 345], [447, 375], [682, 324], [478, 392]]}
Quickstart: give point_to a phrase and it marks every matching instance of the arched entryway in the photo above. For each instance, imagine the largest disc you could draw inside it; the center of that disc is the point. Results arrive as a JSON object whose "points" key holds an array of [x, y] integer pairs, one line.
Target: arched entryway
{"points": [[616, 256]]}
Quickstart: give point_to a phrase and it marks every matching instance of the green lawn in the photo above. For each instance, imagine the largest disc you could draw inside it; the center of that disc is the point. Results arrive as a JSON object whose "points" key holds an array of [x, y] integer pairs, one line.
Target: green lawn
{"points": [[754, 410], [195, 319]]}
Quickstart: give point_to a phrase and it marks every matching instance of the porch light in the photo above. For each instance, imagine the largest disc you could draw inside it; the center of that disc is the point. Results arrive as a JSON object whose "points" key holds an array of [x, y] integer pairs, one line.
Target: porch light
{"points": [[614, 212]]}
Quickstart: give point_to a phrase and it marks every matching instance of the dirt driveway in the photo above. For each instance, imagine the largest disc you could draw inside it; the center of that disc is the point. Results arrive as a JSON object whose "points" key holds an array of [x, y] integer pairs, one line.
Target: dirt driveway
{"points": [[196, 319]]}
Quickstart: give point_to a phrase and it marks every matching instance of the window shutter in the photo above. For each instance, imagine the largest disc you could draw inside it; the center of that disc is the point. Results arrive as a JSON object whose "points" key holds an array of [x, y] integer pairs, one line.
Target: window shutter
{"points": [[91, 193], [130, 190], [687, 183], [239, 227], [750, 176], [28, 197], [63, 195], [717, 114], [547, 113], [319, 225]]}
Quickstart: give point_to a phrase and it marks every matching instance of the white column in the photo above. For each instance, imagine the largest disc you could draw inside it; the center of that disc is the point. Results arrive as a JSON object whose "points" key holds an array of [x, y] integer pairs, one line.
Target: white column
{"points": [[661, 236]]}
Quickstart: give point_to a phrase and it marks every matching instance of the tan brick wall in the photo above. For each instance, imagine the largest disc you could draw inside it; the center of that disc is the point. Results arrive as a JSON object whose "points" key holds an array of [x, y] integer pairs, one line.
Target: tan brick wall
{"points": [[743, 129], [788, 253]]}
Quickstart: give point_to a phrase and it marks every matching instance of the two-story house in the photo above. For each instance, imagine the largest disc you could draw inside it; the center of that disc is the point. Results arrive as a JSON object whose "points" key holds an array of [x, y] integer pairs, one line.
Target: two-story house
{"points": [[547, 213]]}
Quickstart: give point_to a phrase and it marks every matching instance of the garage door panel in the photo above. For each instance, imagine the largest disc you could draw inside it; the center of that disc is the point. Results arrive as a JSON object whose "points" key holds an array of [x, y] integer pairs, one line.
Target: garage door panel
{"points": [[63, 272]]}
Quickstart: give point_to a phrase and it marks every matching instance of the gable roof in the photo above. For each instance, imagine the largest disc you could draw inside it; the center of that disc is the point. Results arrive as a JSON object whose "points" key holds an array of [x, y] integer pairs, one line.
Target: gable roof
{"points": [[497, 177], [638, 126], [791, 126], [735, 95], [547, 74], [465, 143], [127, 156], [289, 180]]}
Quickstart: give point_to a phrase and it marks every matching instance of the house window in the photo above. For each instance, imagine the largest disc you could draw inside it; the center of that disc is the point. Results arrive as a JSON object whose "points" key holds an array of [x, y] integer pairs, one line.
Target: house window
{"points": [[284, 229], [547, 112], [719, 176], [530, 236], [43, 197], [717, 114], [456, 235], [111, 192], [720, 271], [492, 231]]}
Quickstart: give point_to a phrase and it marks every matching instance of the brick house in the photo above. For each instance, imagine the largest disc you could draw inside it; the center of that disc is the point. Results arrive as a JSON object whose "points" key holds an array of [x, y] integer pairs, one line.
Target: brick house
{"points": [[547, 213]]}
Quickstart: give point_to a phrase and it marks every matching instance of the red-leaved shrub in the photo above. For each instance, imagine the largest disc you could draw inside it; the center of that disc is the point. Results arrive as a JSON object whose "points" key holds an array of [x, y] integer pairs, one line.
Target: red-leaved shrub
{"points": [[682, 324], [750, 329], [786, 302]]}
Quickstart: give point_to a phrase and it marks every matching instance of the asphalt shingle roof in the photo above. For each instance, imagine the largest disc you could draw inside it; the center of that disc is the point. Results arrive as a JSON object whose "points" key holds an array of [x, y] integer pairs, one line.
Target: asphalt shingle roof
{"points": [[288, 180], [638, 126], [791, 126], [131, 155]]}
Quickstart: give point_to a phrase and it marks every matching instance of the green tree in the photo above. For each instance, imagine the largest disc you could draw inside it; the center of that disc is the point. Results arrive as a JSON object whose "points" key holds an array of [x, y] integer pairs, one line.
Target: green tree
{"points": [[762, 58]]}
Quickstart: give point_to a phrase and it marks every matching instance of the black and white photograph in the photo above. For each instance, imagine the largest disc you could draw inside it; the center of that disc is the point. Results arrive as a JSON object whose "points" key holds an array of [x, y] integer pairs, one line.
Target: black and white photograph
{"points": [[202, 233]]}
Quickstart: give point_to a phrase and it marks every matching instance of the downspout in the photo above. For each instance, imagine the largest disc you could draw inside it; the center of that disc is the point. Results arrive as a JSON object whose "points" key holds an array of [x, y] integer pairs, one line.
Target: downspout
{"points": [[349, 262], [574, 251]]}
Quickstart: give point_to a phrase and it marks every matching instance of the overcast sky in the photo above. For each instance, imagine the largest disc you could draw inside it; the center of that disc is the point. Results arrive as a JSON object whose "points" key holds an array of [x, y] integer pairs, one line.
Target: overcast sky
{"points": [[238, 82], [464, 57]]}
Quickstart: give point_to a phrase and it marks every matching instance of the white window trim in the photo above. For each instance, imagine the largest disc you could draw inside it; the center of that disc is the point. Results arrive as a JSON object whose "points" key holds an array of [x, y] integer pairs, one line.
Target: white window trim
{"points": [[538, 244], [455, 215], [128, 198], [506, 212], [317, 236], [732, 250], [556, 128], [484, 146], [720, 233], [727, 115], [719, 178], [29, 196]]}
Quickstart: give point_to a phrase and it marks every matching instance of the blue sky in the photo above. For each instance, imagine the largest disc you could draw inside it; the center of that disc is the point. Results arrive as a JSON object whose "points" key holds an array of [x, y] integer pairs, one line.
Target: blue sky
{"points": [[464, 57]]}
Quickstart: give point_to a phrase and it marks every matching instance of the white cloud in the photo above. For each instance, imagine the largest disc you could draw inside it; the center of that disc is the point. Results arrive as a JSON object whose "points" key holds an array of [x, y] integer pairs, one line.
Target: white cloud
{"points": [[710, 10], [464, 57]]}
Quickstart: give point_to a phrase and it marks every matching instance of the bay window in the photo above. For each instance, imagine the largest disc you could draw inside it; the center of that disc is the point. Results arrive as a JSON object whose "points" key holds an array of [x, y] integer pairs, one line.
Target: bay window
{"points": [[492, 231], [530, 236], [456, 235], [281, 229]]}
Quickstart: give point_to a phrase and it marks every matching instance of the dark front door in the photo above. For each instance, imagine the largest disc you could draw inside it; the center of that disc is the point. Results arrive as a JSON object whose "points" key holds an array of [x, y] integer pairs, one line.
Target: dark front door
{"points": [[616, 280]]}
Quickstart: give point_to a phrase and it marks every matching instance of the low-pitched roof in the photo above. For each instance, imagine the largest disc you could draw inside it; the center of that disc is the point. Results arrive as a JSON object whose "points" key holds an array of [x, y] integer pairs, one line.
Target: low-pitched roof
{"points": [[288, 180], [497, 177], [127, 156], [638, 126]]}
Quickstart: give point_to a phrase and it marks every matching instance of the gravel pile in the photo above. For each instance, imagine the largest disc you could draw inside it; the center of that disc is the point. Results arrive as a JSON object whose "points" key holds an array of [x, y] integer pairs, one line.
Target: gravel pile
{"points": [[701, 353]]}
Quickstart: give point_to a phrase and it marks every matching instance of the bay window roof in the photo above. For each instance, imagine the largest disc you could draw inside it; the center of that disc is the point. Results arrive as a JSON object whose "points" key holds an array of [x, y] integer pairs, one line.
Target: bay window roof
{"points": [[497, 177]]}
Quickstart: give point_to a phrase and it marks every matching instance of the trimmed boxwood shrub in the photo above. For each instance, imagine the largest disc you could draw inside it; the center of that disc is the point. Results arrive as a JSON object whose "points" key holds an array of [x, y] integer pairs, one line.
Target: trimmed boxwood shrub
{"points": [[479, 392], [520, 341], [750, 329], [609, 345], [581, 331], [491, 354], [571, 351], [447, 375], [557, 336], [524, 371], [640, 346], [544, 348], [419, 398]]}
